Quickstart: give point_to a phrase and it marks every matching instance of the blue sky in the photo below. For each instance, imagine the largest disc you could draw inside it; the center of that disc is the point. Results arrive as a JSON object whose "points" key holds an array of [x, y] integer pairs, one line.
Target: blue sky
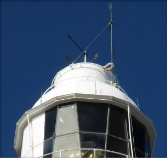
{"points": [[34, 42]]}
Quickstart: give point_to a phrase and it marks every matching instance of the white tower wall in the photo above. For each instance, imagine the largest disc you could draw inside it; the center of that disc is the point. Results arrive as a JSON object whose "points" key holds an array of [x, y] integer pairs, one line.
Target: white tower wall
{"points": [[33, 137]]}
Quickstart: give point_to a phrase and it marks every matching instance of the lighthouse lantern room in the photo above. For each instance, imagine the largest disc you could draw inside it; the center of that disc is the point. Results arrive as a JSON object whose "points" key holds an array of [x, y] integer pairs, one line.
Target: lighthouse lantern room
{"points": [[85, 114]]}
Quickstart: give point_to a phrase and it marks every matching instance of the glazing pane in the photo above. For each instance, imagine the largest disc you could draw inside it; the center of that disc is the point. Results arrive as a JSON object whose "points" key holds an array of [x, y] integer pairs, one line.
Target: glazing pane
{"points": [[87, 153], [147, 144], [66, 142], [99, 154], [139, 136], [109, 154], [115, 144], [92, 117], [96, 141], [50, 120], [117, 122], [48, 145], [147, 149], [67, 120], [139, 153], [71, 154]]}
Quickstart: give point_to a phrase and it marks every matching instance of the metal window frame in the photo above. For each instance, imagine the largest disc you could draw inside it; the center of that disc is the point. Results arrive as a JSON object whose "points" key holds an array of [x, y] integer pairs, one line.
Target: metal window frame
{"points": [[74, 97]]}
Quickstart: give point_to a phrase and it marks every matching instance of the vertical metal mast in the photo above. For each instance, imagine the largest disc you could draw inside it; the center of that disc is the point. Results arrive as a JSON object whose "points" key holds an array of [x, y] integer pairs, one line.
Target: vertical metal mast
{"points": [[85, 56], [110, 6]]}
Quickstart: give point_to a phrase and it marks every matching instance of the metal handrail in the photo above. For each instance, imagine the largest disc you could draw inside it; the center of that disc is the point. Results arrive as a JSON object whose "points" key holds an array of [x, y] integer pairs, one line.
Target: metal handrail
{"points": [[107, 81], [90, 149]]}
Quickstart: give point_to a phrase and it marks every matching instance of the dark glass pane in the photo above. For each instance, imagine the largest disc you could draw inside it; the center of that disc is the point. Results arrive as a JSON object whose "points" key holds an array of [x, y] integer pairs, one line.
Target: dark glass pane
{"points": [[48, 146], [92, 117], [147, 149], [92, 140], [147, 144], [139, 154], [108, 155], [117, 122], [139, 136], [50, 120], [115, 144]]}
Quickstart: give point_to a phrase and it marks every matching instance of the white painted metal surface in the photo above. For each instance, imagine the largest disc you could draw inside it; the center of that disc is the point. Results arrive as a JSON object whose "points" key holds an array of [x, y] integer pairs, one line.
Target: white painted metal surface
{"points": [[77, 82], [33, 137], [26, 146], [84, 78]]}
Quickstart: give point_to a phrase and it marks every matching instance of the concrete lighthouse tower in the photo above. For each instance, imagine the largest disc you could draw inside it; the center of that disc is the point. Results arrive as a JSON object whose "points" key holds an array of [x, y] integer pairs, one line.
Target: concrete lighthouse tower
{"points": [[84, 114]]}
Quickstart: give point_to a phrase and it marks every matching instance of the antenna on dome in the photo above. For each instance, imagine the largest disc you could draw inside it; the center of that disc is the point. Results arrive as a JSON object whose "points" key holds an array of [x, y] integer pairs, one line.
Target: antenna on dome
{"points": [[110, 6], [83, 52], [94, 40]]}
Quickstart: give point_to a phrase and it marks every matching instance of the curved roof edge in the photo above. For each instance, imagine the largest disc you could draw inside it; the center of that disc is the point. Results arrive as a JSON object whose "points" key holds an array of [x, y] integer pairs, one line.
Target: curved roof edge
{"points": [[85, 78]]}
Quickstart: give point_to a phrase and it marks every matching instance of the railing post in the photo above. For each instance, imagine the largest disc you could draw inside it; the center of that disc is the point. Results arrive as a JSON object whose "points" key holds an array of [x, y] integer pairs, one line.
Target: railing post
{"points": [[60, 154], [94, 151]]}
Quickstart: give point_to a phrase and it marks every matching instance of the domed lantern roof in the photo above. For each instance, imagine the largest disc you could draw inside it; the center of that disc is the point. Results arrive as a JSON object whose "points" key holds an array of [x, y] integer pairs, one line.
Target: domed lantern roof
{"points": [[88, 84], [85, 78]]}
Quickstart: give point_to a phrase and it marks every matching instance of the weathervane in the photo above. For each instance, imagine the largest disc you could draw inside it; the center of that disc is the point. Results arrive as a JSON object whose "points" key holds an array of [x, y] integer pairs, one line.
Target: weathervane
{"points": [[84, 51]]}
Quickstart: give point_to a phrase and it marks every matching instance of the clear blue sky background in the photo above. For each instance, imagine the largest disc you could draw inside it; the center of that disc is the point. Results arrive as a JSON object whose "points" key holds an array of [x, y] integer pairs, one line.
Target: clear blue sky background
{"points": [[34, 42]]}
